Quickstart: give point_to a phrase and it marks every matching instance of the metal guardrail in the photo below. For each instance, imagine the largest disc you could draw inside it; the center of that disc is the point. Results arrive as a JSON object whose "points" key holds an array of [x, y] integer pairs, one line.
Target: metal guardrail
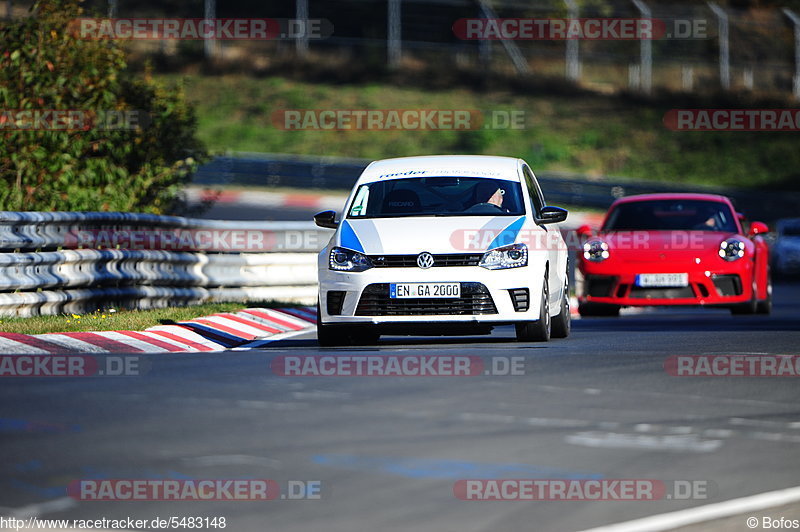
{"points": [[63, 262], [43, 231], [332, 173]]}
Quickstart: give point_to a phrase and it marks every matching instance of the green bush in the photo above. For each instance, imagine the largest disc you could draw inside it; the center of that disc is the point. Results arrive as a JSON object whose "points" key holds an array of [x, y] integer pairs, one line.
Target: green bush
{"points": [[45, 65]]}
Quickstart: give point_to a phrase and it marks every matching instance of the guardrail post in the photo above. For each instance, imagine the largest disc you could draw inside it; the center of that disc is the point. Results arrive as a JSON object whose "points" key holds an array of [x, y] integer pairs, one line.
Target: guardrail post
{"points": [[747, 78], [301, 41], [394, 33], [511, 47], [796, 22], [687, 78], [210, 44], [645, 52], [724, 49], [634, 76], [573, 59]]}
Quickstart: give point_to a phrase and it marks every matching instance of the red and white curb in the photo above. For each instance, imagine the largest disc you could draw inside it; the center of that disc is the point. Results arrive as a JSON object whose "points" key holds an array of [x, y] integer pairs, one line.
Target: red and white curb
{"points": [[217, 332]]}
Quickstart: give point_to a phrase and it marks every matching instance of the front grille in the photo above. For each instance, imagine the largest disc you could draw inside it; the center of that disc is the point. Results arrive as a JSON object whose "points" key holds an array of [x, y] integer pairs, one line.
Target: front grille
{"points": [[335, 302], [520, 297], [662, 293], [475, 299], [728, 285], [599, 285], [410, 261]]}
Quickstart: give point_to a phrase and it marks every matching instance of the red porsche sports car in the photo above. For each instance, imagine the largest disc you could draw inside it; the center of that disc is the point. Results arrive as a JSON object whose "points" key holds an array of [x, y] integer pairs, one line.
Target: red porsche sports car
{"points": [[674, 249]]}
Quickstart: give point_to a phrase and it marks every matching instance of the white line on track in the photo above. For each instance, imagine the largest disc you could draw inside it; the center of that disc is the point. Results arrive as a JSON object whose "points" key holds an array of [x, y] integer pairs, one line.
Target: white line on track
{"points": [[42, 508], [232, 459], [612, 440], [255, 344], [708, 512]]}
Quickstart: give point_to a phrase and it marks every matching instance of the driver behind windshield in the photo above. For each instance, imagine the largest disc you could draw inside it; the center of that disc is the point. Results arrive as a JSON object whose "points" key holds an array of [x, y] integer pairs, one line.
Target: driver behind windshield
{"points": [[488, 193]]}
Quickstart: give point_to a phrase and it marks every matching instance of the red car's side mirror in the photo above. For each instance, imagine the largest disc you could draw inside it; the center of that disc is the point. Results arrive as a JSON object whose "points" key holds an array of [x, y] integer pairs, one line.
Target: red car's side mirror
{"points": [[584, 231], [757, 228]]}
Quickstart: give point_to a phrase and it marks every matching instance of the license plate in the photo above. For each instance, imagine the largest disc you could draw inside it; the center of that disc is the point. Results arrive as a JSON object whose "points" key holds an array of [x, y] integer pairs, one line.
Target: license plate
{"points": [[648, 280], [424, 290]]}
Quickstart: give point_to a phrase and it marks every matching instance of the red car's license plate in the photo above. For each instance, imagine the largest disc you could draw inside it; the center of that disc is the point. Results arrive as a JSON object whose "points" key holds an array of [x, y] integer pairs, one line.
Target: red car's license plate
{"points": [[650, 280]]}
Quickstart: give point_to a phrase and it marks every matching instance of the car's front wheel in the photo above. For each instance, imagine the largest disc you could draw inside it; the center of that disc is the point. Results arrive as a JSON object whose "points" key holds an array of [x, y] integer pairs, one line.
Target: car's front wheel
{"points": [[539, 330], [331, 335], [749, 307], [345, 335], [765, 306], [562, 322]]}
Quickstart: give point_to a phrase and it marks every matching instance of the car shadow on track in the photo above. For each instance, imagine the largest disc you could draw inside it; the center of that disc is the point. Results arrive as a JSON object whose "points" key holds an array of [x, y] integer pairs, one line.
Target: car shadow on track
{"points": [[695, 322], [785, 317], [501, 335]]}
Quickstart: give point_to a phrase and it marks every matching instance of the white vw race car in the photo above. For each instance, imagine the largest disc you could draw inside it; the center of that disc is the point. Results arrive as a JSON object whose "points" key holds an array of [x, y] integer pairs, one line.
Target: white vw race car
{"points": [[443, 245]]}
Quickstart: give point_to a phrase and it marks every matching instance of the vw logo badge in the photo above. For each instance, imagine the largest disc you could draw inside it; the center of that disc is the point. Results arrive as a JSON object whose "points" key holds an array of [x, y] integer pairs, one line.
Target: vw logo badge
{"points": [[425, 260]]}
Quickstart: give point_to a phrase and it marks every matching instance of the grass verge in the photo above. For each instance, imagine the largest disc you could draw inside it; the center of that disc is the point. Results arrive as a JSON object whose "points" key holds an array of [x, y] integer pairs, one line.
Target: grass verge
{"points": [[593, 134], [122, 320]]}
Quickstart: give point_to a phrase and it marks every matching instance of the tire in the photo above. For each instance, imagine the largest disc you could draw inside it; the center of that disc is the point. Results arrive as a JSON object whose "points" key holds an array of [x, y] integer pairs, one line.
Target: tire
{"points": [[331, 335], [344, 335], [598, 309], [765, 306], [749, 307], [539, 330], [562, 322]]}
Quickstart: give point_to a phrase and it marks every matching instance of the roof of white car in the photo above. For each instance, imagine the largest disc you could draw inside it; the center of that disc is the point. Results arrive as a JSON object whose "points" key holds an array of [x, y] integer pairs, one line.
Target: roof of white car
{"points": [[442, 165]]}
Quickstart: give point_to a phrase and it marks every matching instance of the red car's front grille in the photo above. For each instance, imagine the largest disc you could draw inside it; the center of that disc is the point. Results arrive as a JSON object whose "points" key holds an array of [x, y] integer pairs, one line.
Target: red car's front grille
{"points": [[683, 292]]}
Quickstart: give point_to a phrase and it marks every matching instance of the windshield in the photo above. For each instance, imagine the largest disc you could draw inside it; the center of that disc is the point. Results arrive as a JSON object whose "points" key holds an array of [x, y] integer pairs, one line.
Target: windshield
{"points": [[670, 215], [438, 196]]}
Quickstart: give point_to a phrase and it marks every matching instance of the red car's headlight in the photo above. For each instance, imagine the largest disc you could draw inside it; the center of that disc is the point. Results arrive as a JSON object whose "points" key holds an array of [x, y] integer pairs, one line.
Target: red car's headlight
{"points": [[731, 249], [595, 251]]}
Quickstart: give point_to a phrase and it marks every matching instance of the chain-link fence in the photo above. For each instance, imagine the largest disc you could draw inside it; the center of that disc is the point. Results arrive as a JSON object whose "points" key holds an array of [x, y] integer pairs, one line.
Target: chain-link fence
{"points": [[693, 46]]}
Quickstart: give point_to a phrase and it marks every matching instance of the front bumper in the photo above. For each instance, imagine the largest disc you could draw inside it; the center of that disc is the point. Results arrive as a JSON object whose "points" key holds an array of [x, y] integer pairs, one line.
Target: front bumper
{"points": [[722, 286], [489, 291]]}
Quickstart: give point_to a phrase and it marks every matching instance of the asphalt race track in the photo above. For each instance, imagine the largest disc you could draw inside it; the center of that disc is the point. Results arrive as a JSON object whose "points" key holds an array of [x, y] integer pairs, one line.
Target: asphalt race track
{"points": [[387, 451]]}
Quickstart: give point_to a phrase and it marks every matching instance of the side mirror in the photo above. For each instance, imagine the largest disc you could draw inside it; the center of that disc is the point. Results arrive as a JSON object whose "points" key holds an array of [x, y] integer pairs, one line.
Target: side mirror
{"points": [[757, 228], [326, 219], [552, 215], [584, 231], [742, 218]]}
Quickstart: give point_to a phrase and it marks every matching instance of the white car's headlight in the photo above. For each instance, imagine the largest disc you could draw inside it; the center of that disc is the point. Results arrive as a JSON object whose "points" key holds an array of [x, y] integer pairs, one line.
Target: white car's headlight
{"points": [[595, 251], [731, 249], [513, 256], [347, 260]]}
